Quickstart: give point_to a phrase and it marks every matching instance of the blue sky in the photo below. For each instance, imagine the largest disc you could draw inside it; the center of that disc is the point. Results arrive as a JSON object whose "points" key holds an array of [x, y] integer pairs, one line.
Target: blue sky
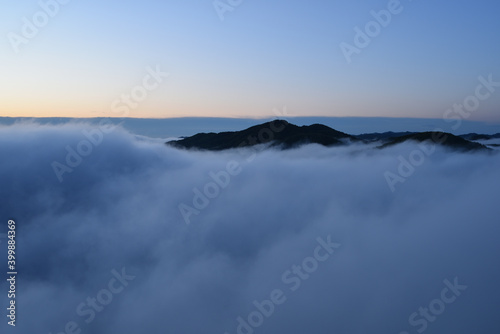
{"points": [[263, 55]]}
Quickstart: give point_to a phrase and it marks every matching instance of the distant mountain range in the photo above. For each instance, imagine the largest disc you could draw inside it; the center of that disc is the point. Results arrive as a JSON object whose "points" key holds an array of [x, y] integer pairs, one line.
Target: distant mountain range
{"points": [[475, 136], [280, 133]]}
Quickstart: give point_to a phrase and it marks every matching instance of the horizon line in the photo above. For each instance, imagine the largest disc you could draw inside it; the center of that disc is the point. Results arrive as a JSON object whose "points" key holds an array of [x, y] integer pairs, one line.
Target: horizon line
{"points": [[243, 118]]}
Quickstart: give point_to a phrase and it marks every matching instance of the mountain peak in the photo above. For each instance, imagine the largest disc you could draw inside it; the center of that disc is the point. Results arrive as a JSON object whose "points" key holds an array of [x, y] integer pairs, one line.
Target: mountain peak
{"points": [[281, 133], [277, 133]]}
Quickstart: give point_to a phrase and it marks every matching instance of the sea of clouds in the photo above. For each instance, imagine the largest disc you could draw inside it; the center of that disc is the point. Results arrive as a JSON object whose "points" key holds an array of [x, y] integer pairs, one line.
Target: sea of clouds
{"points": [[310, 240]]}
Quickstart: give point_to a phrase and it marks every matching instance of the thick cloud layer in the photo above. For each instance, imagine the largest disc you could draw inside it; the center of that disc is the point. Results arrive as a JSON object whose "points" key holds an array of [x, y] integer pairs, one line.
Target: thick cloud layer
{"points": [[366, 259]]}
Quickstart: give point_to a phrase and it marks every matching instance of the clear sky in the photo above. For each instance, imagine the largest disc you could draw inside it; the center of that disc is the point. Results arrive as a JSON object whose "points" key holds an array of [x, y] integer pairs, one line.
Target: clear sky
{"points": [[263, 55]]}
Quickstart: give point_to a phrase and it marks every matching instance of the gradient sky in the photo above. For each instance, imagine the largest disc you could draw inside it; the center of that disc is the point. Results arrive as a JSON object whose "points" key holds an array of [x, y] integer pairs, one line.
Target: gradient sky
{"points": [[264, 55]]}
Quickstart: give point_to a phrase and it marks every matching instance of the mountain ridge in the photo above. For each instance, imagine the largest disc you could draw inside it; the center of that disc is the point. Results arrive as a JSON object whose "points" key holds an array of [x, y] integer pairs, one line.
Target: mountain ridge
{"points": [[275, 133], [280, 133]]}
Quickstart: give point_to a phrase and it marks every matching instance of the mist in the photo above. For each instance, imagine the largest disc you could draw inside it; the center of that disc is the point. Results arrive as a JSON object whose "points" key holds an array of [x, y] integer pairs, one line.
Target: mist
{"points": [[246, 241]]}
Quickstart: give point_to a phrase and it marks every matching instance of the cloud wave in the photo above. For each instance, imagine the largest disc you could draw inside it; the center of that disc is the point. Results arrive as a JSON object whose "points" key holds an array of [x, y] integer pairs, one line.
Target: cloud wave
{"points": [[118, 209]]}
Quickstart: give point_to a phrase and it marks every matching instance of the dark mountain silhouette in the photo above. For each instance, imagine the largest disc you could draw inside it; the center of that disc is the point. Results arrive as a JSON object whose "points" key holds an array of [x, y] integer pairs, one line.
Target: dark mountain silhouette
{"points": [[475, 136], [441, 138], [280, 133], [384, 136], [276, 133]]}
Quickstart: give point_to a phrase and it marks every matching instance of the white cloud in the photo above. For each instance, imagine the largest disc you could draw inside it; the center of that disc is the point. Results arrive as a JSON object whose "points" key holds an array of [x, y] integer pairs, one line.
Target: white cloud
{"points": [[119, 208]]}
